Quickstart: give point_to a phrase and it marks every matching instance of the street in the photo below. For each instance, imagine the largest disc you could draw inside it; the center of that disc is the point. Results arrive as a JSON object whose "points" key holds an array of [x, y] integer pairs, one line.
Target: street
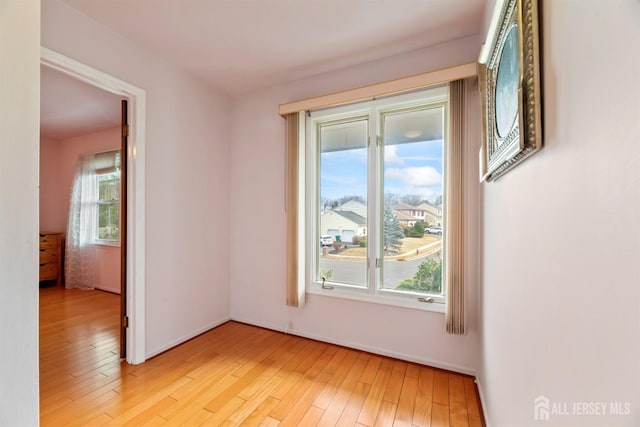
{"points": [[354, 272]]}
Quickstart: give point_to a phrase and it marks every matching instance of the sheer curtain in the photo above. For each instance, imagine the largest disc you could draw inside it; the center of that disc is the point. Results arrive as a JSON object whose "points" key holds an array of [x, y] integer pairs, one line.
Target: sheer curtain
{"points": [[80, 256]]}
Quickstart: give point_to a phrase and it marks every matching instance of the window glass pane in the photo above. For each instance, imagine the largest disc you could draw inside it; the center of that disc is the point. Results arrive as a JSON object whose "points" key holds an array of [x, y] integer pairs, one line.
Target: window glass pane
{"points": [[109, 206], [413, 200], [108, 221], [109, 186], [342, 216]]}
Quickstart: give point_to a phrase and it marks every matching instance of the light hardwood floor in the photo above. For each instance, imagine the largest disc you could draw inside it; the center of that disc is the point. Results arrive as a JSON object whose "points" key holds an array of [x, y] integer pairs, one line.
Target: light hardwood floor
{"points": [[235, 374]]}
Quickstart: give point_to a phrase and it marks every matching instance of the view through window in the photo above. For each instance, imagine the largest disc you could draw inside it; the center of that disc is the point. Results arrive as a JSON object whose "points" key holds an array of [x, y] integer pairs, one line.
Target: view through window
{"points": [[380, 194], [109, 197]]}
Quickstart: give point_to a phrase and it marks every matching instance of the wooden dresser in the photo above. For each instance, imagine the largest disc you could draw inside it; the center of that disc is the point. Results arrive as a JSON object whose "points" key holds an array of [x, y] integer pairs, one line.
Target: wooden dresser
{"points": [[51, 256]]}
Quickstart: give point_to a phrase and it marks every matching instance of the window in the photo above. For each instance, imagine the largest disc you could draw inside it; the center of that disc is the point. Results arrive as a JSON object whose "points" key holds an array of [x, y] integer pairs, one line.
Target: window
{"points": [[375, 174], [108, 212]]}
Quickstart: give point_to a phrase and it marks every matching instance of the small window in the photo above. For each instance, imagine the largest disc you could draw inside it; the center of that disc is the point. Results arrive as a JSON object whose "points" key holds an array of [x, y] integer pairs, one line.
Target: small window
{"points": [[108, 179]]}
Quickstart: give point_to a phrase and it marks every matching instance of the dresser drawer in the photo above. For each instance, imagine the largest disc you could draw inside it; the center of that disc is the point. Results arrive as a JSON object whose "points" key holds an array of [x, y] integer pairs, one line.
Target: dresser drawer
{"points": [[51, 255], [48, 271], [48, 256], [48, 241]]}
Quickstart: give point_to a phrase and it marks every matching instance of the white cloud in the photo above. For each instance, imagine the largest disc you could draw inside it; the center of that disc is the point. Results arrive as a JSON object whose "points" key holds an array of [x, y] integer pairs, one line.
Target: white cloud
{"points": [[421, 176], [391, 155], [424, 181]]}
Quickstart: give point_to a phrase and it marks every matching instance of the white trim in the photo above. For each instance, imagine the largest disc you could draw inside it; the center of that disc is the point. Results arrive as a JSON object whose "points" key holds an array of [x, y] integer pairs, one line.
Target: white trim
{"points": [[373, 111], [382, 352], [418, 81], [135, 337], [107, 243], [484, 408], [370, 349], [187, 337], [405, 300]]}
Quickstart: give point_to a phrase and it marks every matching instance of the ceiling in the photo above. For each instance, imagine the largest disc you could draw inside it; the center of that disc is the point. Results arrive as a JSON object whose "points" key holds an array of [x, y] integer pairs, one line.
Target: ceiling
{"points": [[236, 46], [69, 107]]}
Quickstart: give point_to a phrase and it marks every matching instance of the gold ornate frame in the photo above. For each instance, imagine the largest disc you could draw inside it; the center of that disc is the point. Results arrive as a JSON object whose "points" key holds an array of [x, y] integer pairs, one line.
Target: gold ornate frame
{"points": [[506, 142]]}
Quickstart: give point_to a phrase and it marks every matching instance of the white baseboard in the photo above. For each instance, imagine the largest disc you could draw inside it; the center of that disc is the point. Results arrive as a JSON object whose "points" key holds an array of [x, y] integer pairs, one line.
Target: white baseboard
{"points": [[107, 289], [259, 324], [187, 337], [344, 343], [362, 347], [482, 400]]}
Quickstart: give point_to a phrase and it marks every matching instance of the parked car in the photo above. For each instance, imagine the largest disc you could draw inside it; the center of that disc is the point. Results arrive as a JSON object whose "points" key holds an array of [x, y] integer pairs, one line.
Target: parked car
{"points": [[433, 230], [326, 240]]}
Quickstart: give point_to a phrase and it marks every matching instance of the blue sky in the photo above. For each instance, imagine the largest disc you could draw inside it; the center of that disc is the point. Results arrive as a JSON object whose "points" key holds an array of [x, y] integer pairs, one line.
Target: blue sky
{"points": [[411, 168]]}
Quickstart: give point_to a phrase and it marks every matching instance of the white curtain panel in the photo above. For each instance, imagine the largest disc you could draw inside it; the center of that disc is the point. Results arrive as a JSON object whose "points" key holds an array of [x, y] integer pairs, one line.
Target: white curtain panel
{"points": [[80, 256]]}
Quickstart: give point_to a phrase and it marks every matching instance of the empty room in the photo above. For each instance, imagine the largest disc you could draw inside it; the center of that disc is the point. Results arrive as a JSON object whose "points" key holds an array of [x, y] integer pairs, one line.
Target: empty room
{"points": [[322, 212]]}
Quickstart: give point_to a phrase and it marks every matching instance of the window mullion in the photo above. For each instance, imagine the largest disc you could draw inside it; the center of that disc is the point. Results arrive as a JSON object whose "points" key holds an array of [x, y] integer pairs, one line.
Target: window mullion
{"points": [[373, 196]]}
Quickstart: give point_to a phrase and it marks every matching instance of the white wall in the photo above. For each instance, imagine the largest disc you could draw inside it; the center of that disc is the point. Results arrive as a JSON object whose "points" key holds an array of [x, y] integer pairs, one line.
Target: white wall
{"points": [[187, 177], [19, 117], [561, 295], [258, 224]]}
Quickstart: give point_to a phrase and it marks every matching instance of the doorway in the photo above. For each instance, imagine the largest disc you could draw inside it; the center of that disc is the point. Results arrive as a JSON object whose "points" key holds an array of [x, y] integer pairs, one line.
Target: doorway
{"points": [[81, 189], [134, 188]]}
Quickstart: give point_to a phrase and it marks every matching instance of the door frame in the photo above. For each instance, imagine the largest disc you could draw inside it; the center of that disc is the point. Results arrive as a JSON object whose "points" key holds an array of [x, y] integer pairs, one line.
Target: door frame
{"points": [[135, 239]]}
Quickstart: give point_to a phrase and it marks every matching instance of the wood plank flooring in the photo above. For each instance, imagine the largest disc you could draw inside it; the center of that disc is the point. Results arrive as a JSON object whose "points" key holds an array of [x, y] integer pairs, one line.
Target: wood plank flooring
{"points": [[235, 374]]}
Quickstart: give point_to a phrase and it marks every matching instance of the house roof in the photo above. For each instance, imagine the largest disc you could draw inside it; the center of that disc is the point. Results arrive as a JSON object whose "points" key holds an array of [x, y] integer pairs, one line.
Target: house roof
{"points": [[352, 203], [353, 217], [404, 207], [435, 210], [401, 216]]}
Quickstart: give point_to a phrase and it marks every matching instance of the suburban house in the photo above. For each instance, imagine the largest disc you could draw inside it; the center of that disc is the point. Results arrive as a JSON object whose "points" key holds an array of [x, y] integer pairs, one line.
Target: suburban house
{"points": [[552, 294], [408, 214], [353, 206], [432, 214], [405, 219], [343, 225]]}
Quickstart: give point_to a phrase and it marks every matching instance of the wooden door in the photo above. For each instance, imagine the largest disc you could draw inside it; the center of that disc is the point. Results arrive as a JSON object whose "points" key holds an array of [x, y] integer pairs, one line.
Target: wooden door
{"points": [[124, 319]]}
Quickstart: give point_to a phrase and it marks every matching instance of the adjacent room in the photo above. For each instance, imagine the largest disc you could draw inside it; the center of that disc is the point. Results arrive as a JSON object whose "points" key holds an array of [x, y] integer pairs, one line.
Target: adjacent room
{"points": [[326, 212]]}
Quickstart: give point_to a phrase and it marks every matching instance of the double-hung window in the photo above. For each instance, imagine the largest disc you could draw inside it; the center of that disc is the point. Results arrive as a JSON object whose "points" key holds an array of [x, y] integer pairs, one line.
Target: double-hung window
{"points": [[108, 209], [375, 199]]}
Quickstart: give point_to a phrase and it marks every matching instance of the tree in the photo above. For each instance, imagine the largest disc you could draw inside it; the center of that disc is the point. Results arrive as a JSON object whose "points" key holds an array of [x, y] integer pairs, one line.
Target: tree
{"points": [[328, 204], [429, 274], [428, 278], [344, 199], [391, 199], [393, 233], [418, 229], [411, 199]]}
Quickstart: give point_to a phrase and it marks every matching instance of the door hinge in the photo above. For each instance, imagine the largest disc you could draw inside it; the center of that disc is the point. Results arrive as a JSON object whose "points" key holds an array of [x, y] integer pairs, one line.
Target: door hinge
{"points": [[378, 263], [125, 321], [125, 130], [378, 140]]}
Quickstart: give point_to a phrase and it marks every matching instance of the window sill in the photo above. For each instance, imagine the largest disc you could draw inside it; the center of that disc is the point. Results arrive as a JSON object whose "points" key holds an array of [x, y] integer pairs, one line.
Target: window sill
{"points": [[106, 243], [384, 299]]}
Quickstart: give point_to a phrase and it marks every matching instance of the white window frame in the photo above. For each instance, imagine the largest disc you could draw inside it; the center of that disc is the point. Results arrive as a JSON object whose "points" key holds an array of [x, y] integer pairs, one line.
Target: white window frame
{"points": [[373, 292], [97, 240]]}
